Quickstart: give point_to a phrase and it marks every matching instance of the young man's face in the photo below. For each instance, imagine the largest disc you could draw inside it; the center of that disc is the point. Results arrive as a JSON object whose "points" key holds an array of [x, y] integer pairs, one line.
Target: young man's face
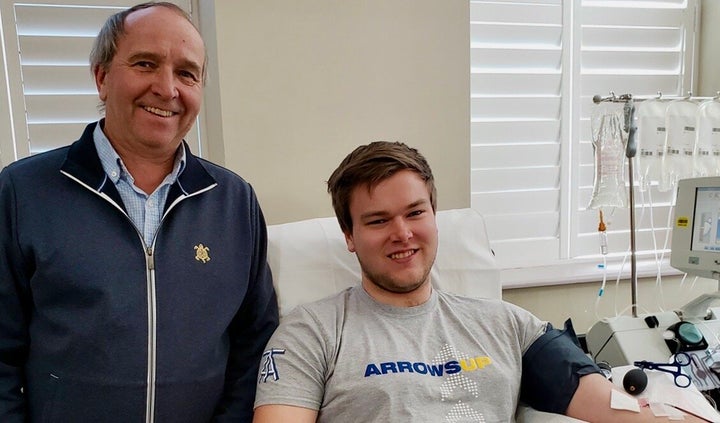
{"points": [[394, 235], [153, 87]]}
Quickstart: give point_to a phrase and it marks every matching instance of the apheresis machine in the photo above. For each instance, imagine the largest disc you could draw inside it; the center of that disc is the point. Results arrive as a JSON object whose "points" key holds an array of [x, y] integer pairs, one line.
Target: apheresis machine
{"points": [[695, 328]]}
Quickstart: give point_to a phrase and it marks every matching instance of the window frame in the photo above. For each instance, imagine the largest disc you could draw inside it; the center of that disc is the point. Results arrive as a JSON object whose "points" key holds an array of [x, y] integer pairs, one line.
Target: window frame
{"points": [[573, 224], [14, 122]]}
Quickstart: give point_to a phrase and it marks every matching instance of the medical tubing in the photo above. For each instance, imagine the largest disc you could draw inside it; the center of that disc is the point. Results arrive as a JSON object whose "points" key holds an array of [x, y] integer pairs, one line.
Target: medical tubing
{"points": [[619, 275], [601, 291], [602, 230], [673, 200], [644, 310], [682, 281], [658, 262], [668, 225]]}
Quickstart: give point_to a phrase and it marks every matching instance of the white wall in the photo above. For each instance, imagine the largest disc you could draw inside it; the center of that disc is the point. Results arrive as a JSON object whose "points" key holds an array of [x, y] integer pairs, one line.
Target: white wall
{"points": [[300, 84], [709, 56], [303, 83]]}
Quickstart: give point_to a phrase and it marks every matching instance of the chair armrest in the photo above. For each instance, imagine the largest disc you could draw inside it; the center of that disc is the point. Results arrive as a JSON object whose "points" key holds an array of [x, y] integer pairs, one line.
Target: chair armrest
{"points": [[527, 414]]}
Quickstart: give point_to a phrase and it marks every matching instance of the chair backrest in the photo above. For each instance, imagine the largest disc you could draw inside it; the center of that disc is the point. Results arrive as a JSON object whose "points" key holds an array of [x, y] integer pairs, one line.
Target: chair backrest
{"points": [[309, 259]]}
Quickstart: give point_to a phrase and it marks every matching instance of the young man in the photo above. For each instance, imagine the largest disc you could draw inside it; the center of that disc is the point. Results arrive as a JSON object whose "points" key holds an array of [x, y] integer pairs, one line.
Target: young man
{"points": [[394, 349], [134, 285]]}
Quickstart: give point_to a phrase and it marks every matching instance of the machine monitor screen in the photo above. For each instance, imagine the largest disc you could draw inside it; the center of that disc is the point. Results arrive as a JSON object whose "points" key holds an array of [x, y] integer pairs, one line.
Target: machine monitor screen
{"points": [[696, 227]]}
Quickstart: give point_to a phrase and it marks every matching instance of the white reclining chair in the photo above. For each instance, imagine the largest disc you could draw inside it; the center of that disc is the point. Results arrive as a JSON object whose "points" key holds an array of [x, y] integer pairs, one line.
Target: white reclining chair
{"points": [[309, 261]]}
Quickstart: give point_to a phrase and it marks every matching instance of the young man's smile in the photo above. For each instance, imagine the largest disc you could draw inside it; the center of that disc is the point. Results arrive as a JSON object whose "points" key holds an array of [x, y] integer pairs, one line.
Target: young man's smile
{"points": [[394, 235]]}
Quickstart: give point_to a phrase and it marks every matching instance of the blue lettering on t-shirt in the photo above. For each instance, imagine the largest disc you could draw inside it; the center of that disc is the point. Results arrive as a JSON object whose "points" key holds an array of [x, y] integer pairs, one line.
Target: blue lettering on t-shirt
{"points": [[388, 367], [452, 367], [436, 370], [404, 366], [448, 368], [371, 369]]}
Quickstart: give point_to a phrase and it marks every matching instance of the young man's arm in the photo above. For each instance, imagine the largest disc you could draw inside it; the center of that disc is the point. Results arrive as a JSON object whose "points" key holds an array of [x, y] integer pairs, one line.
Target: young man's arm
{"points": [[558, 377], [291, 381], [284, 413], [591, 403]]}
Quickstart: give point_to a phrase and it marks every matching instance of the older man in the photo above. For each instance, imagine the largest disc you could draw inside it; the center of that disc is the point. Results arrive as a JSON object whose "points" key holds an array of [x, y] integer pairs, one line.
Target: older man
{"points": [[133, 277]]}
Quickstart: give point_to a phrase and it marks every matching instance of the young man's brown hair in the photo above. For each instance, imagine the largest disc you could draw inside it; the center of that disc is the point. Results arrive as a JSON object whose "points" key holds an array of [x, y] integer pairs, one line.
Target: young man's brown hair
{"points": [[369, 165]]}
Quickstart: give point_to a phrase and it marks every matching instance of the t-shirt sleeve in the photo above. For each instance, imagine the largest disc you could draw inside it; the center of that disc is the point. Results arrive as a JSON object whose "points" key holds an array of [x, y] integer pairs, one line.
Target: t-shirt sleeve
{"points": [[528, 327], [293, 366]]}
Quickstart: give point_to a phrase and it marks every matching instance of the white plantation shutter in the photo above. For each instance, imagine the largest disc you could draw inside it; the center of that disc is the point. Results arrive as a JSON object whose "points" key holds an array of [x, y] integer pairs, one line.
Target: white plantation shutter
{"points": [[51, 91], [535, 66]]}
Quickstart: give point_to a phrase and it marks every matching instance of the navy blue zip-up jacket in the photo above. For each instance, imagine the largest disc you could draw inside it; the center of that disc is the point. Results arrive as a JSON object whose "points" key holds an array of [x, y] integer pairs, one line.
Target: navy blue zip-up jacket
{"points": [[97, 327]]}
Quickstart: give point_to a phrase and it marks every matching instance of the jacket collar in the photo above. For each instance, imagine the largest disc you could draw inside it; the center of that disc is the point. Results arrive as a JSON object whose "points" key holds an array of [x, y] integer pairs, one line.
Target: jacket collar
{"points": [[82, 163]]}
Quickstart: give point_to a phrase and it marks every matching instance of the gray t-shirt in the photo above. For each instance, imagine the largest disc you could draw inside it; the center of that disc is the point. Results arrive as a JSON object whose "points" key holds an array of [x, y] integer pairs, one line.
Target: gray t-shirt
{"points": [[451, 359]]}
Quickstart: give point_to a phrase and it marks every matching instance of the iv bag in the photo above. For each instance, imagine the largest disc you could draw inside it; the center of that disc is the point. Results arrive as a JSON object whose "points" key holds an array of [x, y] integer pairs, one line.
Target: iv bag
{"points": [[707, 140], [677, 163], [650, 138], [608, 141]]}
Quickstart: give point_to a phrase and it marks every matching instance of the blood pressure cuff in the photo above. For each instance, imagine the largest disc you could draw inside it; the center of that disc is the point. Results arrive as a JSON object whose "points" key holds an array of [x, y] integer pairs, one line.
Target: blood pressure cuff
{"points": [[552, 368]]}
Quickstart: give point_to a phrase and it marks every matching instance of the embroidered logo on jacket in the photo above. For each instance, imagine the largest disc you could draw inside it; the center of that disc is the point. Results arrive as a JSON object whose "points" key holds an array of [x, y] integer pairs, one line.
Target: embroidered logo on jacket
{"points": [[201, 253], [267, 365]]}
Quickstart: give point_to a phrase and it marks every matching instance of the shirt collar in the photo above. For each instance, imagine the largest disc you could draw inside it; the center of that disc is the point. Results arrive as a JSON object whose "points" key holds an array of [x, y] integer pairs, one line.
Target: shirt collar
{"points": [[114, 166]]}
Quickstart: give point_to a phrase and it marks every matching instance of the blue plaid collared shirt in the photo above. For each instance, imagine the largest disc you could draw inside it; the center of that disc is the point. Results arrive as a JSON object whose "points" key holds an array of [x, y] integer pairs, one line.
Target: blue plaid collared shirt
{"points": [[145, 210]]}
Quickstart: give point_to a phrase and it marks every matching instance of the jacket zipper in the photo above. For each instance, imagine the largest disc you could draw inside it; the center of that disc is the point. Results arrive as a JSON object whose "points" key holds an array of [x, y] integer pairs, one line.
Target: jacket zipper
{"points": [[150, 283], [151, 298], [152, 338]]}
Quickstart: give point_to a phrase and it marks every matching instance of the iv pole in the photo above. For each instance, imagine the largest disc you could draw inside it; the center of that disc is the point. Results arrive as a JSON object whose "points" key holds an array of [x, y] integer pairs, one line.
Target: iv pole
{"points": [[630, 151]]}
